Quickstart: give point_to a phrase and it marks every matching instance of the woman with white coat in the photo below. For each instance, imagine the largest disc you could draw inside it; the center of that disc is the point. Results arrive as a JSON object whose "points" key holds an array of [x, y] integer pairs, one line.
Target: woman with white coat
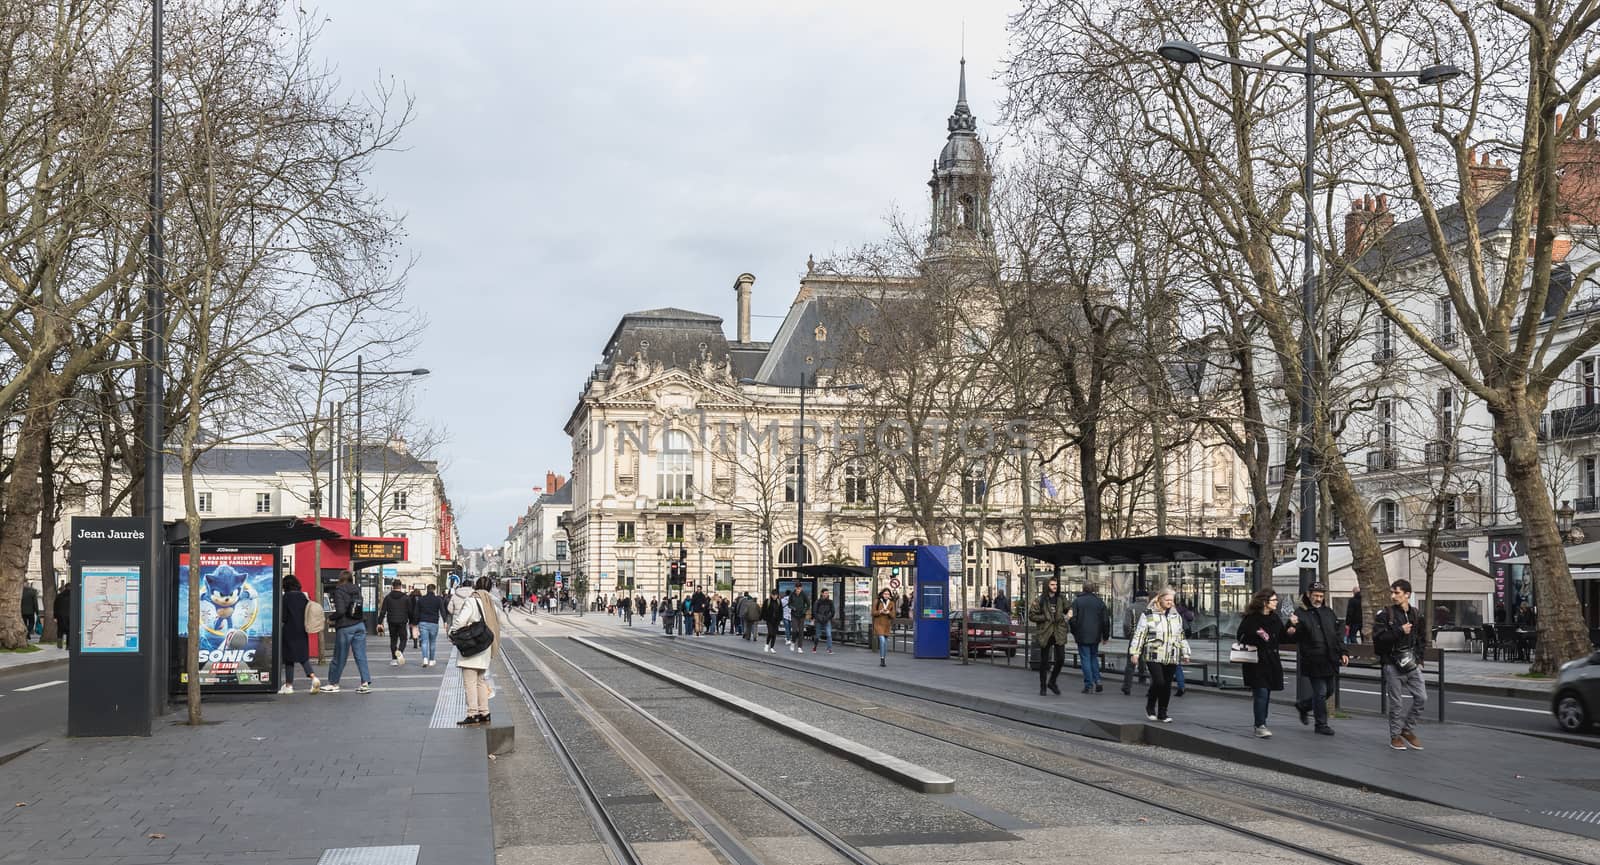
{"points": [[466, 607]]}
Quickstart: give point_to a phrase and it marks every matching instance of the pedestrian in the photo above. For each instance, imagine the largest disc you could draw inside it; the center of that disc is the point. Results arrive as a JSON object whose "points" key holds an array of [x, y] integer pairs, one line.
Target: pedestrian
{"points": [[639, 607], [1050, 620], [1159, 640], [411, 614], [785, 601], [396, 613], [1262, 629], [905, 606], [350, 635], [1352, 617], [655, 603], [1320, 654], [30, 610], [752, 614], [486, 591], [669, 616], [701, 606], [61, 611], [294, 641], [626, 607], [724, 612], [1091, 628], [1399, 638], [1130, 621], [430, 609], [772, 612], [1001, 602], [883, 624], [466, 609], [800, 610], [822, 614], [985, 602]]}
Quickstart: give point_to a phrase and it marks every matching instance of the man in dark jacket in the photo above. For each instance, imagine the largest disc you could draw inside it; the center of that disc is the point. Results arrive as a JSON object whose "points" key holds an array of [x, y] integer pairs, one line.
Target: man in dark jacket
{"points": [[430, 608], [799, 611], [350, 634], [396, 613], [1320, 654], [1091, 627], [1001, 602], [30, 610], [772, 614], [62, 613], [1397, 630], [822, 613], [699, 605], [1352, 617]]}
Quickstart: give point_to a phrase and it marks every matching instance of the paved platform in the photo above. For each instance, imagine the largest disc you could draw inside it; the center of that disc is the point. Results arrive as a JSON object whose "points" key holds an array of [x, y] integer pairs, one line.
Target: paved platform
{"points": [[1522, 778], [301, 778], [47, 656]]}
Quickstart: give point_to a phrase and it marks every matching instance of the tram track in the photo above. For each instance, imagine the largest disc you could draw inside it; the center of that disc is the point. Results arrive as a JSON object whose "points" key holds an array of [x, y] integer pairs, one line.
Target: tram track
{"points": [[961, 735], [718, 836]]}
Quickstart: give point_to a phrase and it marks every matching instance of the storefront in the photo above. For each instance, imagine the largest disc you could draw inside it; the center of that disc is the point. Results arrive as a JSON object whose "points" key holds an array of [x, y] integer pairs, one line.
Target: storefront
{"points": [[1461, 591]]}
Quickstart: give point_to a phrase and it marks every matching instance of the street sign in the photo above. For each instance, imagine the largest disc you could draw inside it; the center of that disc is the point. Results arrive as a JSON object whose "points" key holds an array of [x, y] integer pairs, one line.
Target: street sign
{"points": [[1233, 576], [1307, 554], [894, 583]]}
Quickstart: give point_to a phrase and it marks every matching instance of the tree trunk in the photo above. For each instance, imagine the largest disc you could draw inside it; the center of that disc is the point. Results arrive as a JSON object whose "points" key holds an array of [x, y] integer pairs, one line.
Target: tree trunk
{"points": [[1089, 480], [1366, 554], [22, 507], [47, 530], [1561, 635]]}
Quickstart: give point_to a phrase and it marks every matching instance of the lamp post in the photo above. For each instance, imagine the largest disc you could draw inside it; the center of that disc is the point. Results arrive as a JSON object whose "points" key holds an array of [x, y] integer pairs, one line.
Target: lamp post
{"points": [[800, 456], [360, 372], [1183, 53]]}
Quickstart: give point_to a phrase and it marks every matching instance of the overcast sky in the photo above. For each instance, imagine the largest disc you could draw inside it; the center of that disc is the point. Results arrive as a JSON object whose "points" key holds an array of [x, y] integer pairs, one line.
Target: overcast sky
{"points": [[573, 162]]}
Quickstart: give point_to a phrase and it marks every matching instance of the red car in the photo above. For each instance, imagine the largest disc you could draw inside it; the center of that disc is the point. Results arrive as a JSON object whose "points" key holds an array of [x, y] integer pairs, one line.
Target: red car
{"points": [[990, 631]]}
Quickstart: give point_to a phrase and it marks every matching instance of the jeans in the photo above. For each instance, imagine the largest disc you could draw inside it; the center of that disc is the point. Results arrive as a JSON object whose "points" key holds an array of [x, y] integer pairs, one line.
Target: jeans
{"points": [[288, 671], [1089, 659], [652, 616], [824, 630], [787, 638], [1321, 687], [883, 647], [1261, 699], [1050, 663], [1160, 693], [430, 636], [350, 639], [1396, 687]]}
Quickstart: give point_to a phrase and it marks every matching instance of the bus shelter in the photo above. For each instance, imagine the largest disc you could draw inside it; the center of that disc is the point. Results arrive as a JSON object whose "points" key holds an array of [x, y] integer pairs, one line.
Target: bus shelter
{"points": [[852, 596], [1211, 578]]}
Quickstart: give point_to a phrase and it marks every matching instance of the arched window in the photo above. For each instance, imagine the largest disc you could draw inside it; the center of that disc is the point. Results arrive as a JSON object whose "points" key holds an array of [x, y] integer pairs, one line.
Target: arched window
{"points": [[1386, 517], [968, 208], [675, 467], [787, 555]]}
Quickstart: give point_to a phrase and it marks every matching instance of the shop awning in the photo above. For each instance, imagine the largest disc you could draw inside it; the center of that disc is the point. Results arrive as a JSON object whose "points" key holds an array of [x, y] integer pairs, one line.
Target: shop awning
{"points": [[1452, 575], [253, 531], [1578, 556], [1151, 550]]}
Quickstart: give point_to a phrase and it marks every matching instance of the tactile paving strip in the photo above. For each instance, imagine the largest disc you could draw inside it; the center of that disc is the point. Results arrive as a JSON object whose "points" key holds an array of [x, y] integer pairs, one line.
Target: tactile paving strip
{"points": [[452, 703], [403, 855]]}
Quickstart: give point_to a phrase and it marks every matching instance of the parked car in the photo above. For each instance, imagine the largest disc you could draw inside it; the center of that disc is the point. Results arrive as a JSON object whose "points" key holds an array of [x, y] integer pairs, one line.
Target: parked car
{"points": [[1576, 696], [990, 631]]}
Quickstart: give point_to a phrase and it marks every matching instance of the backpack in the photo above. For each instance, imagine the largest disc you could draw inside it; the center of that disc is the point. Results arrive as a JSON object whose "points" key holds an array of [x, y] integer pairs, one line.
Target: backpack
{"points": [[316, 618]]}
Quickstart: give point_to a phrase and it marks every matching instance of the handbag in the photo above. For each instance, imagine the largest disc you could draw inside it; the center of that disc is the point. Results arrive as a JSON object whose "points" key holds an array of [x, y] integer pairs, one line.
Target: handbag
{"points": [[1405, 660], [1239, 653], [474, 637]]}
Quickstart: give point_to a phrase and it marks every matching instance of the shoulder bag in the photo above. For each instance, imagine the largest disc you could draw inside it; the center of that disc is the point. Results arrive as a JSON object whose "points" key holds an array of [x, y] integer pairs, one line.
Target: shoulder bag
{"points": [[474, 637], [1239, 653], [316, 618]]}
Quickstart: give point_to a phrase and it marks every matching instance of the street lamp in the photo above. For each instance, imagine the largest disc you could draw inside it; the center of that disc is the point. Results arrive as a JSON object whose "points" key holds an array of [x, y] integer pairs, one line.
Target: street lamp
{"points": [[1570, 534], [1184, 53], [800, 456]]}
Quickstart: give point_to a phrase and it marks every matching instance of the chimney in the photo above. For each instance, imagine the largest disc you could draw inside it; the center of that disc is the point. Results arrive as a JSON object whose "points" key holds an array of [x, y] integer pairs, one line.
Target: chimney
{"points": [[550, 482], [741, 286], [1579, 164], [1369, 219], [1484, 181]]}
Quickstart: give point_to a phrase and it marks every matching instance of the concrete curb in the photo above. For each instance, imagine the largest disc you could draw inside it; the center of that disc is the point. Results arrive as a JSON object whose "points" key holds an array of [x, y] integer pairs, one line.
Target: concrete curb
{"points": [[34, 666], [895, 769]]}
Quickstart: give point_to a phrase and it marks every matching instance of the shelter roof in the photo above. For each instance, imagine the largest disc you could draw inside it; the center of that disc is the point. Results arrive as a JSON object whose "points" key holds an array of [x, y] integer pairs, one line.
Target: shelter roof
{"points": [[1149, 550]]}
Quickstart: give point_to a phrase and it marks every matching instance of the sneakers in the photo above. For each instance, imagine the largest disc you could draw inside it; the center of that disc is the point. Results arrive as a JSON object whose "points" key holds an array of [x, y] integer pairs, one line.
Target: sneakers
{"points": [[366, 688], [830, 651], [1305, 713], [1324, 730], [1411, 739], [330, 689], [1098, 687], [1263, 733], [1054, 690], [1150, 717], [1397, 743], [316, 684], [882, 663], [1166, 720], [393, 662], [469, 721], [286, 689]]}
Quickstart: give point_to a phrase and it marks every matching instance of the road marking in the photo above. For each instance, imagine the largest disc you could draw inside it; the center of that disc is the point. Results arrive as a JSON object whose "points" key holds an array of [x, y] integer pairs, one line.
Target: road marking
{"points": [[1359, 691], [43, 685], [1503, 708]]}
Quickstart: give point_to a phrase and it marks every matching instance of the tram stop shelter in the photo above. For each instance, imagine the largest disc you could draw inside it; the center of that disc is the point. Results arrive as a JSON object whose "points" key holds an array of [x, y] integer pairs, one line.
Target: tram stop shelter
{"points": [[1212, 577], [852, 595]]}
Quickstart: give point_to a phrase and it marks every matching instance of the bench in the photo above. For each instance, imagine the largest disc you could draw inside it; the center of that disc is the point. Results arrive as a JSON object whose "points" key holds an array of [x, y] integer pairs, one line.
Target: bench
{"points": [[1365, 657]]}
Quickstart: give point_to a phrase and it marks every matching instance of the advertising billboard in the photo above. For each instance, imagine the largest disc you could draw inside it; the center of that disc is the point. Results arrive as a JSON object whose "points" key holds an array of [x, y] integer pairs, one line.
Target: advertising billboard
{"points": [[238, 650]]}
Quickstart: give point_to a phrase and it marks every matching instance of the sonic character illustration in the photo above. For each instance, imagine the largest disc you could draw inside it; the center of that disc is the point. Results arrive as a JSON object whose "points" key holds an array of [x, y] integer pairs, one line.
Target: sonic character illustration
{"points": [[225, 588]]}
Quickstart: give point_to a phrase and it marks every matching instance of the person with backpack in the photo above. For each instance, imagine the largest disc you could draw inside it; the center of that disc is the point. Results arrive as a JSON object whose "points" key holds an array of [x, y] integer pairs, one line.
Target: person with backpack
{"points": [[752, 614], [350, 635], [430, 608], [396, 611], [294, 633]]}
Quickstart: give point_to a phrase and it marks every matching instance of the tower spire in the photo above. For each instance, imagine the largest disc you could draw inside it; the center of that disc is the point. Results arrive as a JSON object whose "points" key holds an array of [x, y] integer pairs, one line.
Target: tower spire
{"points": [[962, 120]]}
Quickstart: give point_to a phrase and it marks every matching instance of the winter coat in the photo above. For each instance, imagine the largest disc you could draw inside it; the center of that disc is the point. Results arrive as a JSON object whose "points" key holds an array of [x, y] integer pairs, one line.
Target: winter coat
{"points": [[772, 611], [1002, 603], [1158, 637], [62, 610], [823, 611], [883, 619], [1320, 649], [1388, 636], [30, 601], [396, 608], [752, 609], [1352, 613], [799, 606], [1268, 671], [492, 604], [468, 606], [1091, 620], [295, 645], [1049, 616], [430, 608], [346, 595]]}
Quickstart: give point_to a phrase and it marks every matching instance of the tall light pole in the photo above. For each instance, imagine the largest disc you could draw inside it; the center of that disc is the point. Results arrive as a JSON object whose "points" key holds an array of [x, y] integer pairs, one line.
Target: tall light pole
{"points": [[800, 456], [1183, 53]]}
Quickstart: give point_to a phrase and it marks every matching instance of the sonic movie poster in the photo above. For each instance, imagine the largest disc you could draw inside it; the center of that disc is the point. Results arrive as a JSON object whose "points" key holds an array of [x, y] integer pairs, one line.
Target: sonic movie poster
{"points": [[238, 620]]}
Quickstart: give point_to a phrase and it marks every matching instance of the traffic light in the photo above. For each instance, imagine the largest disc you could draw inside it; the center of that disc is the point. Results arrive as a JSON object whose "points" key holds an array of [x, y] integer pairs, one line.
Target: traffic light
{"points": [[683, 554]]}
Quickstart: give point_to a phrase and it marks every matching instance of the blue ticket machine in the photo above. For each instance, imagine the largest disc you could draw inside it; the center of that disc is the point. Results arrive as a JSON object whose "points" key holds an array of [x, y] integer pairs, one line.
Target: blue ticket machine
{"points": [[930, 608]]}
